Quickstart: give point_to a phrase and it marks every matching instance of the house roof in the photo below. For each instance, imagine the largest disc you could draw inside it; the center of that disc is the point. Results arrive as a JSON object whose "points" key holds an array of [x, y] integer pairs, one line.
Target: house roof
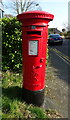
{"points": [[55, 29]]}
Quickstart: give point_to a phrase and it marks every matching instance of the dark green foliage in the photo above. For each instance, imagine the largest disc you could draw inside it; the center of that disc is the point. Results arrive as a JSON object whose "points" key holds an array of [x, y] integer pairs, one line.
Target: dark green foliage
{"points": [[11, 44], [68, 33]]}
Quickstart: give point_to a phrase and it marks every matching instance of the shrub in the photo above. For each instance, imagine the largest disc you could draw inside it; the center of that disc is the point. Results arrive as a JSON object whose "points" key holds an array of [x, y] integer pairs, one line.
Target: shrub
{"points": [[11, 44]]}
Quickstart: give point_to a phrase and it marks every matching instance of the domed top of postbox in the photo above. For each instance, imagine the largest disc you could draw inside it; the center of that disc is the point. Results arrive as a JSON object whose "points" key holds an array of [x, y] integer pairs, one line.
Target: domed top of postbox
{"points": [[35, 15]]}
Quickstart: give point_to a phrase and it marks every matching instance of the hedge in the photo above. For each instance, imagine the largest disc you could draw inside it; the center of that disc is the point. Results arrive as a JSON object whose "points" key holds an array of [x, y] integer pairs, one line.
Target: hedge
{"points": [[11, 44]]}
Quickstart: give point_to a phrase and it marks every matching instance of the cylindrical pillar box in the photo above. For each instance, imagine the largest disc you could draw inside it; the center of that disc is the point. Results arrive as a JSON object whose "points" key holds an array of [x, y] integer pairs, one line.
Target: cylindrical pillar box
{"points": [[34, 44]]}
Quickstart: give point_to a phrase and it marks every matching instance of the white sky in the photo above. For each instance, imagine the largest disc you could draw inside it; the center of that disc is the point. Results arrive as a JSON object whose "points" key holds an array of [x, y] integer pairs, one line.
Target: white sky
{"points": [[57, 7], [53, 0]]}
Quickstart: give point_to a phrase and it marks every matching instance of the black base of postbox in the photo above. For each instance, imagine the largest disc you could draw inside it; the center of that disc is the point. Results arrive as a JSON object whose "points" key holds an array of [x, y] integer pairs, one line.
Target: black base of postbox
{"points": [[33, 97]]}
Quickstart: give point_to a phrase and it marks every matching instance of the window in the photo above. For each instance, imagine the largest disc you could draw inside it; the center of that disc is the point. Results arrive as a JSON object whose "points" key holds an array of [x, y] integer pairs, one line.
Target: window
{"points": [[0, 13], [1, 9]]}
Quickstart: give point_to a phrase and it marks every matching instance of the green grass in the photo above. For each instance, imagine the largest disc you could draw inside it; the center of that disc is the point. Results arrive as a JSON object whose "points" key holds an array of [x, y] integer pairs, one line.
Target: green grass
{"points": [[12, 104], [38, 112]]}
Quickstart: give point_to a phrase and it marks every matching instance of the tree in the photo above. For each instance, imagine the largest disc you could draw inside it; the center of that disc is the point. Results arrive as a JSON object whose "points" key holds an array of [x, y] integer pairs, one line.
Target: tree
{"points": [[20, 6], [66, 30], [63, 30], [66, 26]]}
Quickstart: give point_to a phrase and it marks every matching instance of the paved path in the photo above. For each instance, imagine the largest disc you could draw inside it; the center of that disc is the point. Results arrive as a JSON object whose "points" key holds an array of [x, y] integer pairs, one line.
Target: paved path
{"points": [[56, 96], [57, 79]]}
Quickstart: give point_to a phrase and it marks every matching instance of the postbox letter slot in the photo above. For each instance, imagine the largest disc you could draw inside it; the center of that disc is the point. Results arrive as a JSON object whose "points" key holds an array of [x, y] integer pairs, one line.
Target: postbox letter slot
{"points": [[33, 32]]}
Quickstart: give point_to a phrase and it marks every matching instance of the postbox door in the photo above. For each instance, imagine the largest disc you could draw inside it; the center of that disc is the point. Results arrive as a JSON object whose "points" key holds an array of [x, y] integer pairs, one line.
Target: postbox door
{"points": [[34, 64], [39, 64]]}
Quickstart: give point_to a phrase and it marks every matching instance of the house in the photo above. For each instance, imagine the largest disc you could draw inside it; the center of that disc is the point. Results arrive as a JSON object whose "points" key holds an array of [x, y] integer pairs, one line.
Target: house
{"points": [[54, 31], [1, 9]]}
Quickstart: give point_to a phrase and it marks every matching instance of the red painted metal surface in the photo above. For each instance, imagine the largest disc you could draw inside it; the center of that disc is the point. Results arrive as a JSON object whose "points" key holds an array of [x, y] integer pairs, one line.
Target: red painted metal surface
{"points": [[34, 45]]}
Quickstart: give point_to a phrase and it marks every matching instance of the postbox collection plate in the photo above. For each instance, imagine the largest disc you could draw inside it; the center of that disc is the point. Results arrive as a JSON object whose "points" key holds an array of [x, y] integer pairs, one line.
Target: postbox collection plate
{"points": [[33, 47], [33, 27]]}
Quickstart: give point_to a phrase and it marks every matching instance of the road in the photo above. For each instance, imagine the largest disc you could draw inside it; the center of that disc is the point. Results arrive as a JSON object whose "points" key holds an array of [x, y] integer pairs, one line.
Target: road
{"points": [[58, 85], [60, 58]]}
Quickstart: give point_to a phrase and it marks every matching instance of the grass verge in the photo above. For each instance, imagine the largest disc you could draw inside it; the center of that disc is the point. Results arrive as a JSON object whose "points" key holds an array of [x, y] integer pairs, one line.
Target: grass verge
{"points": [[12, 104]]}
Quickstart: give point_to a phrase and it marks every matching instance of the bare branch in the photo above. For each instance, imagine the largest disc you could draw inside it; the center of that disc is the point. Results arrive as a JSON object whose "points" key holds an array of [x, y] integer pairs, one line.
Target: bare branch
{"points": [[20, 6], [23, 7]]}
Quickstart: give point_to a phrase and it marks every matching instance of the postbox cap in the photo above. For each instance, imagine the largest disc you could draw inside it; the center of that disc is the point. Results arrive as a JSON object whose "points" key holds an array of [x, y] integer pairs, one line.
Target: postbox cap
{"points": [[35, 14]]}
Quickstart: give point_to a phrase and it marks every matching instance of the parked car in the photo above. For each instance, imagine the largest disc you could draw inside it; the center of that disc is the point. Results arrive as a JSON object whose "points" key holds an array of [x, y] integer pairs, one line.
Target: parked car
{"points": [[55, 39]]}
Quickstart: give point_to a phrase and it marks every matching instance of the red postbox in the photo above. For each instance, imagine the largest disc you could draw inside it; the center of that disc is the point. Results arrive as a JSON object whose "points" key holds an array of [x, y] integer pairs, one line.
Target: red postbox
{"points": [[34, 44]]}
